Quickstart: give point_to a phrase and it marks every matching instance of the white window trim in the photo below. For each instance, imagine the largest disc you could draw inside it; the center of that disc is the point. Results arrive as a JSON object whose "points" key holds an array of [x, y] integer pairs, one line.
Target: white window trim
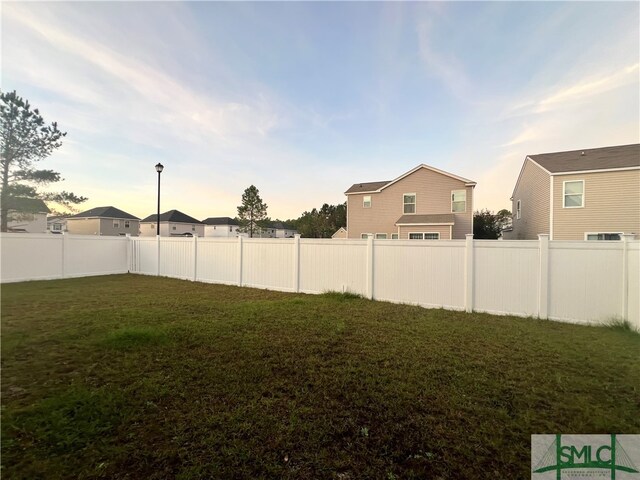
{"points": [[586, 234], [364, 202], [116, 224], [518, 209], [365, 236], [465, 200], [381, 238], [423, 234], [564, 194], [127, 224], [415, 203], [395, 236]]}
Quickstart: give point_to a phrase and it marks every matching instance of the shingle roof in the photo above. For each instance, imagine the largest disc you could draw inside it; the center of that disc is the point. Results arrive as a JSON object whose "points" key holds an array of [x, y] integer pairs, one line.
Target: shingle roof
{"points": [[621, 156], [27, 205], [174, 216], [446, 218], [220, 221], [366, 187], [105, 212]]}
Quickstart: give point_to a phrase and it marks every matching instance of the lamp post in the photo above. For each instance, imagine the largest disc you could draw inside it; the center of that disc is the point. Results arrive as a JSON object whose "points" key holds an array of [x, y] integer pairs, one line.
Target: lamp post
{"points": [[159, 168]]}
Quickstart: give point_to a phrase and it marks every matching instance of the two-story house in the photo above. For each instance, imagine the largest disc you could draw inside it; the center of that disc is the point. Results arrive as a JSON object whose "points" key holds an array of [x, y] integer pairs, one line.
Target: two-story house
{"points": [[103, 221], [26, 215], [424, 203], [589, 194], [222, 227], [173, 223]]}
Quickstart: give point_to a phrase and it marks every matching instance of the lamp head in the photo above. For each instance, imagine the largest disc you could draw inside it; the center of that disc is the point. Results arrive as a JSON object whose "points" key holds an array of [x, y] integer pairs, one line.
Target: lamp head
{"points": [[159, 168]]}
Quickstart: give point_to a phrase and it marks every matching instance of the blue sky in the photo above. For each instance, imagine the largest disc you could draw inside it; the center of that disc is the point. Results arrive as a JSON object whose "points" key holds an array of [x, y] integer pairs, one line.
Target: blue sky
{"points": [[305, 99]]}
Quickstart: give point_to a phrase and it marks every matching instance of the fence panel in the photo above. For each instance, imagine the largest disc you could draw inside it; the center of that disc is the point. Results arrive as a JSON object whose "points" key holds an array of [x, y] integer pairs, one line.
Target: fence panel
{"points": [[268, 263], [585, 280], [218, 260], [633, 287], [427, 273], [28, 256], [86, 255], [176, 257], [333, 265], [506, 276], [144, 255]]}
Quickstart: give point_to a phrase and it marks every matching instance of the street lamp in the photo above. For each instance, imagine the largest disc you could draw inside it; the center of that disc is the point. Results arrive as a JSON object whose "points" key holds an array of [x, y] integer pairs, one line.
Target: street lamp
{"points": [[159, 168]]}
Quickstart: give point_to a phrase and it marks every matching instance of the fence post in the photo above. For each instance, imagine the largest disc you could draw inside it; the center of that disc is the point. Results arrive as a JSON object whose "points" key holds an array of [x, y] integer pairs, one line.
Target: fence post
{"points": [[128, 237], [195, 258], [543, 275], [296, 262], [64, 255], [468, 273], [239, 260], [157, 255], [370, 266], [625, 274]]}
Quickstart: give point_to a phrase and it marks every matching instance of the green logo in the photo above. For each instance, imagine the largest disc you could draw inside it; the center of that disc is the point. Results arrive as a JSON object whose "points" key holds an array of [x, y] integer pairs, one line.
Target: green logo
{"points": [[588, 453]]}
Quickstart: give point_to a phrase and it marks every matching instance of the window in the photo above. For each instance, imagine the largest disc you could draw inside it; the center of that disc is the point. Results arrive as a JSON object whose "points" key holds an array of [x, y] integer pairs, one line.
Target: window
{"points": [[173, 227], [603, 236], [152, 226], [364, 236], [56, 227], [518, 210], [381, 236], [424, 236], [573, 194], [193, 228], [409, 200], [366, 201], [116, 224], [127, 224], [395, 236], [458, 201]]}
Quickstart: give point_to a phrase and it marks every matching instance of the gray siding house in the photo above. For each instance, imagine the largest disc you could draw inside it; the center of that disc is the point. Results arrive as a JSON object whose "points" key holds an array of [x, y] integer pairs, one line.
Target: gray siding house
{"points": [[103, 221], [591, 194], [173, 223]]}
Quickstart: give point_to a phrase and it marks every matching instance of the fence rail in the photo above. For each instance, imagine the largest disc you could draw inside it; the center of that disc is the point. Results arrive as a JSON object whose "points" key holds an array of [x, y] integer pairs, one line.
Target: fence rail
{"points": [[578, 281]]}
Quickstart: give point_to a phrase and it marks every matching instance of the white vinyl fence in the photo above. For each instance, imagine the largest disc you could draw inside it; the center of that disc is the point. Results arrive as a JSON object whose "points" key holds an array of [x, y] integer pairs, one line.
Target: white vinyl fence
{"points": [[578, 281]]}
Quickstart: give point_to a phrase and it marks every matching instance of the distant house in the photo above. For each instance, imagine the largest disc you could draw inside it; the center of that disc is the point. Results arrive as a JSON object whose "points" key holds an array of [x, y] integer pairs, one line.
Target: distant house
{"points": [[222, 227], [27, 215], [589, 194], [56, 224], [172, 224], [340, 233], [278, 230], [424, 203], [109, 221]]}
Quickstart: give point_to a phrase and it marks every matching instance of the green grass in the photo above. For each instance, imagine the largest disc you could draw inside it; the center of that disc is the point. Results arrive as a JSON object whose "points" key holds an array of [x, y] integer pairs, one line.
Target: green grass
{"points": [[140, 377]]}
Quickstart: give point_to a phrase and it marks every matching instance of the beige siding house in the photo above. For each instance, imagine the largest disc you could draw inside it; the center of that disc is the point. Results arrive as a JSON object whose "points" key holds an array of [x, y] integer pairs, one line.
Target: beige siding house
{"points": [[578, 195], [424, 203], [103, 221], [26, 215]]}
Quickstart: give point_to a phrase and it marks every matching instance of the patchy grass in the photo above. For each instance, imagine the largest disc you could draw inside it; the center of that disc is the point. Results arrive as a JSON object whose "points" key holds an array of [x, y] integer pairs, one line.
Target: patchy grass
{"points": [[140, 377]]}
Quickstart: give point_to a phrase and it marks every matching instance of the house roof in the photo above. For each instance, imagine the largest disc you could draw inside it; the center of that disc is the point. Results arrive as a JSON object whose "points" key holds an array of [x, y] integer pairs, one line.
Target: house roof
{"points": [[374, 187], [220, 221], [620, 156], [429, 219], [27, 205], [280, 226], [174, 216], [105, 212]]}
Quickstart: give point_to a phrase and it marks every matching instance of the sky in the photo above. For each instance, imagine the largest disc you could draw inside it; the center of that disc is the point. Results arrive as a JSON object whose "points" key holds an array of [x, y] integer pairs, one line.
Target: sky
{"points": [[305, 99]]}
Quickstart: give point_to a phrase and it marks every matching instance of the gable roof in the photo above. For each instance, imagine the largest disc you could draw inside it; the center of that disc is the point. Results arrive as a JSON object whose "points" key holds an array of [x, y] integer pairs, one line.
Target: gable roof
{"points": [[429, 219], [105, 212], [174, 216], [220, 221], [375, 187], [27, 205], [603, 158]]}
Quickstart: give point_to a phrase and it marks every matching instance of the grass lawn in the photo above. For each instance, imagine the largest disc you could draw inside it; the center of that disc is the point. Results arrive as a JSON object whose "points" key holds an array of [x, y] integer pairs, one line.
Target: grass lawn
{"points": [[149, 378]]}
